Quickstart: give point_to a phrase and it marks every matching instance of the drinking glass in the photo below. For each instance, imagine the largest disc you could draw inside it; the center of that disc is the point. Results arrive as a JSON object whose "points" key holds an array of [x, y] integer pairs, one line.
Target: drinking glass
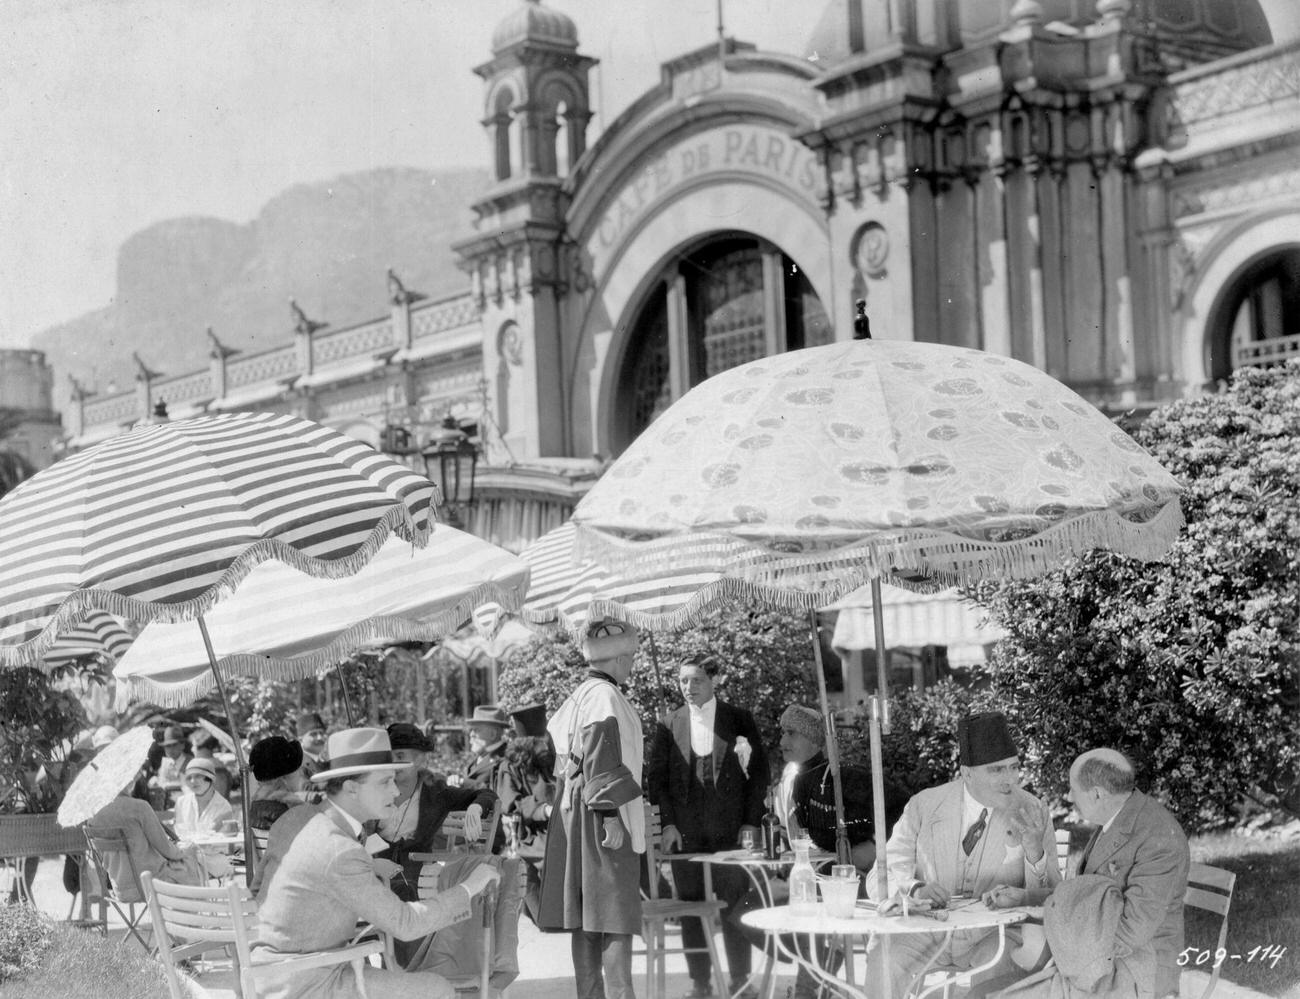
{"points": [[747, 840]]}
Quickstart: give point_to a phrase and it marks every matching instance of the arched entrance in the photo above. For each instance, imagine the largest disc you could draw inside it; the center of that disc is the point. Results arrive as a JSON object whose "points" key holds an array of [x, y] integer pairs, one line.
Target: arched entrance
{"points": [[1257, 318], [730, 299]]}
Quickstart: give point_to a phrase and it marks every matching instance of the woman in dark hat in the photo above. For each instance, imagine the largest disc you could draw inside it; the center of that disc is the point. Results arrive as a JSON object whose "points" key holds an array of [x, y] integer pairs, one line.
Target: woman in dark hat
{"points": [[276, 763], [526, 786]]}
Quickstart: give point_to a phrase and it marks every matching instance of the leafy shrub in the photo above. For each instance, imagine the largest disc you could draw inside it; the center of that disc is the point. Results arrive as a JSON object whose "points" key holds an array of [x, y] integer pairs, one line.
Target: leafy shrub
{"points": [[25, 935], [921, 748], [38, 719], [1190, 665]]}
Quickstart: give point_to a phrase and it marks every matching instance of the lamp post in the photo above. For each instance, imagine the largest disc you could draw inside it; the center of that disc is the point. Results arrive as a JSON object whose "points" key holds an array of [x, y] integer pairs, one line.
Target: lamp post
{"points": [[455, 456]]}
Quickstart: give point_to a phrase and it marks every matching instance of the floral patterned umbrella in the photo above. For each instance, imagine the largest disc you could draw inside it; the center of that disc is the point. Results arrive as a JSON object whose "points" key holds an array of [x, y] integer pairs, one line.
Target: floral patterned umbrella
{"points": [[885, 457], [804, 475]]}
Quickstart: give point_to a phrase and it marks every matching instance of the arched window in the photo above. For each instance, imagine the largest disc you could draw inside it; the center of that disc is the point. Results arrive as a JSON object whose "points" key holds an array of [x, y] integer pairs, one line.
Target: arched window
{"points": [[1259, 320], [503, 147], [727, 301], [560, 139]]}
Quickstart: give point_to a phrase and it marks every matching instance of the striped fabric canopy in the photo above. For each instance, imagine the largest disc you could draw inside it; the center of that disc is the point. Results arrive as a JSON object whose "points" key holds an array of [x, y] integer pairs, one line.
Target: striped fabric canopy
{"points": [[568, 595], [281, 624], [159, 523], [97, 635]]}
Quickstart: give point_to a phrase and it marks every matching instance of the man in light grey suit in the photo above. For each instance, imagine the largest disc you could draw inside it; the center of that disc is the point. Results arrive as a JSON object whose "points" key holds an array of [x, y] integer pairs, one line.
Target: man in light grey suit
{"points": [[327, 883], [962, 841], [1140, 846]]}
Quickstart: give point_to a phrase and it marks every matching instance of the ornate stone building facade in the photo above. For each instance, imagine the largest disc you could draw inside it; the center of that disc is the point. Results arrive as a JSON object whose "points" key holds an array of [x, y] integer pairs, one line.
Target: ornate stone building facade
{"points": [[1106, 190]]}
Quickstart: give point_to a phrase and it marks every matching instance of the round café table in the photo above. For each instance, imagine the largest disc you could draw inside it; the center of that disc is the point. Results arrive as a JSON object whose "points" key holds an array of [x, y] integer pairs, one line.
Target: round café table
{"points": [[760, 870], [229, 843], [867, 925]]}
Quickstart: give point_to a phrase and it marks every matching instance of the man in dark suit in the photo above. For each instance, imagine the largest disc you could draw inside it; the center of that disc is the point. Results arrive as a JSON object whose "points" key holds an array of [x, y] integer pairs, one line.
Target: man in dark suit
{"points": [[1141, 847], [708, 774]]}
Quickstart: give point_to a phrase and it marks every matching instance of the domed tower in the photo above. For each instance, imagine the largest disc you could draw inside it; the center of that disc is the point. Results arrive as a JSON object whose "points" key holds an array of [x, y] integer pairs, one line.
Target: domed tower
{"points": [[537, 105], [521, 267]]}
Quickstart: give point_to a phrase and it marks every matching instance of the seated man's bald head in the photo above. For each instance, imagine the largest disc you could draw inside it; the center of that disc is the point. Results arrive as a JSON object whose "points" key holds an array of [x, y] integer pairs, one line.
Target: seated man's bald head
{"points": [[1108, 769]]}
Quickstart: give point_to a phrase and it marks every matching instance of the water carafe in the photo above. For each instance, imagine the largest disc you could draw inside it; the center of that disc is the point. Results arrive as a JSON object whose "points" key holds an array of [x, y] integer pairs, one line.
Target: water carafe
{"points": [[803, 881]]}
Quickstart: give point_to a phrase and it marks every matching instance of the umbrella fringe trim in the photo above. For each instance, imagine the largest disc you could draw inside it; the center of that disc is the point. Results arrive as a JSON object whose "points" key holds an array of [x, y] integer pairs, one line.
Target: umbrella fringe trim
{"points": [[941, 558], [397, 520], [396, 629]]}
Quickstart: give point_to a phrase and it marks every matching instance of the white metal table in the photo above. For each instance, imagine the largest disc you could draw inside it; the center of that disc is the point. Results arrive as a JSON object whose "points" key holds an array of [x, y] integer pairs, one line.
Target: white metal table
{"points": [[760, 871], [867, 925]]}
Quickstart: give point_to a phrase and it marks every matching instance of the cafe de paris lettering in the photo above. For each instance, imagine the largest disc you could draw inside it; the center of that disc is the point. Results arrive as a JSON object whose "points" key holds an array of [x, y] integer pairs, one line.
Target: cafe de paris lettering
{"points": [[721, 151]]}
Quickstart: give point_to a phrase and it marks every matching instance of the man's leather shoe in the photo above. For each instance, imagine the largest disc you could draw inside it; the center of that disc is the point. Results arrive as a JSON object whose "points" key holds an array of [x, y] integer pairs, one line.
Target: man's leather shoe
{"points": [[699, 990]]}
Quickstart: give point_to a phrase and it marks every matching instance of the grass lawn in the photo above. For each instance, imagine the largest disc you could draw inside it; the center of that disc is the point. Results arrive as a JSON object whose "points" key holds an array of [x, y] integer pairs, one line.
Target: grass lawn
{"points": [[79, 963], [1265, 911]]}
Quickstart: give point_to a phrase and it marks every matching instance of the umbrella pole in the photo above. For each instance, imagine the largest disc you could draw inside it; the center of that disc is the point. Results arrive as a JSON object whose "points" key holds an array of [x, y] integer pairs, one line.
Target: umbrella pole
{"points": [[343, 688], [245, 804], [842, 852], [659, 680], [878, 724]]}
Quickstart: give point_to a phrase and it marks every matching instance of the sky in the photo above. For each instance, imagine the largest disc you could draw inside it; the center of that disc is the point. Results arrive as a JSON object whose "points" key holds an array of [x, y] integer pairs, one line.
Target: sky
{"points": [[116, 114]]}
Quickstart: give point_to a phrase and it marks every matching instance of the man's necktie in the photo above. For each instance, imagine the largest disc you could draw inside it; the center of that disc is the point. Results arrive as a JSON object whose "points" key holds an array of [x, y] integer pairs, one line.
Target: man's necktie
{"points": [[1087, 850], [974, 832]]}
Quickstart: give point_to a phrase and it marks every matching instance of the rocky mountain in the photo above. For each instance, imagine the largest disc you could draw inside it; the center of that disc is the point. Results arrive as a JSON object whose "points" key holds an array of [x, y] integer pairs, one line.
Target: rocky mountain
{"points": [[327, 245]]}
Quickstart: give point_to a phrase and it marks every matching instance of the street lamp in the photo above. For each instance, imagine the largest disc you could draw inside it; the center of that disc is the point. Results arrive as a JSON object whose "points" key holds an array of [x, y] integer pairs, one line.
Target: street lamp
{"points": [[456, 457]]}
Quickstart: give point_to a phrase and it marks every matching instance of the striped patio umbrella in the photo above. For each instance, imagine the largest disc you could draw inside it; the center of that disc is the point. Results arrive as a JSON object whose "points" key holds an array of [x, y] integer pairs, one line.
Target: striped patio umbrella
{"points": [[284, 625], [162, 522], [98, 635], [566, 593]]}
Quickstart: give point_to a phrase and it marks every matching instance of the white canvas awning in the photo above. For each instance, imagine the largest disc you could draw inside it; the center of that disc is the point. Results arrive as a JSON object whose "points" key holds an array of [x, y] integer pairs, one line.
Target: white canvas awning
{"points": [[915, 619]]}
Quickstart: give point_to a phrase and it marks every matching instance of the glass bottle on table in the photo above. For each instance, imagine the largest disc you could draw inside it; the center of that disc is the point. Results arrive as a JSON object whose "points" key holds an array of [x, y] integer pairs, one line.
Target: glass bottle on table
{"points": [[771, 832], [802, 879]]}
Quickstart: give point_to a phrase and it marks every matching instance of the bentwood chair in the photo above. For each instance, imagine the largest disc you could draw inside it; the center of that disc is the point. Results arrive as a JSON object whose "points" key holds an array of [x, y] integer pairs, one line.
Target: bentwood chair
{"points": [[189, 921], [656, 913]]}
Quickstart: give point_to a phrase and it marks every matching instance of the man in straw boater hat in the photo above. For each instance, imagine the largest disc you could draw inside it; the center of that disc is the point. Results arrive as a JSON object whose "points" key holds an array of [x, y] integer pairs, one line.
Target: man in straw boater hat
{"points": [[327, 883], [958, 842], [592, 873]]}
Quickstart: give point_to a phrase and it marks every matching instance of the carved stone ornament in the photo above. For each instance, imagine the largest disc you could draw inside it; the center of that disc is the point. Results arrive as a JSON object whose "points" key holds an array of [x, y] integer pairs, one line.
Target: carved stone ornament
{"points": [[872, 250], [512, 344]]}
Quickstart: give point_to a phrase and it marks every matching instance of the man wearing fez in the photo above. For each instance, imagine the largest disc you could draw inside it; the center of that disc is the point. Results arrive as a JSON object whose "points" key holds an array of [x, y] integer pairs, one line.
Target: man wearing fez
{"points": [[311, 736], [959, 841], [327, 883], [708, 774], [592, 874]]}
